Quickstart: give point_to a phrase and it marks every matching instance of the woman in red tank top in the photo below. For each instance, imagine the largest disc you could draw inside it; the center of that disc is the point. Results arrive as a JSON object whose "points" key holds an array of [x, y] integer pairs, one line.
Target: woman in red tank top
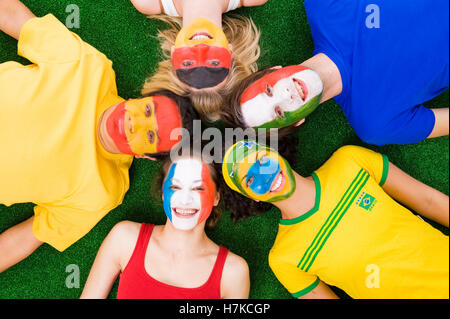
{"points": [[176, 260]]}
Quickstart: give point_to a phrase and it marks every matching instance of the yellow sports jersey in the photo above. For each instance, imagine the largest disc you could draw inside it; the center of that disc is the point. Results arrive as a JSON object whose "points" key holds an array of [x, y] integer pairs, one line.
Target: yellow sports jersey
{"points": [[359, 239], [51, 154]]}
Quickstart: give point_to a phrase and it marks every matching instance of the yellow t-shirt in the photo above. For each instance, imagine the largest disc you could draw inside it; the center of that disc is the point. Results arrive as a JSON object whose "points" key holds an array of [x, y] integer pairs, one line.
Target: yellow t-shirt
{"points": [[358, 238], [51, 154]]}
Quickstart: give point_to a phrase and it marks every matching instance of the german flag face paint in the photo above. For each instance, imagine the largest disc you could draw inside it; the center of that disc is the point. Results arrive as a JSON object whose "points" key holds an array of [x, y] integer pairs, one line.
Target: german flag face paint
{"points": [[188, 193], [144, 126], [201, 57], [281, 98], [258, 172]]}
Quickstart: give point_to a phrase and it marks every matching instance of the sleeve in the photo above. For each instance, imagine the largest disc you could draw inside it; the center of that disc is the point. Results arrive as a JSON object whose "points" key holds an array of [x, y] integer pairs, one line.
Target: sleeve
{"points": [[61, 227], [376, 164], [47, 40], [296, 281]]}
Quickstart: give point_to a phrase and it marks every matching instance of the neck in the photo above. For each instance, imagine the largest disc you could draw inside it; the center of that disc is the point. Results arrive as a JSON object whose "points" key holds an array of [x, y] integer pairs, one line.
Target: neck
{"points": [[193, 9], [185, 241], [328, 72], [301, 201]]}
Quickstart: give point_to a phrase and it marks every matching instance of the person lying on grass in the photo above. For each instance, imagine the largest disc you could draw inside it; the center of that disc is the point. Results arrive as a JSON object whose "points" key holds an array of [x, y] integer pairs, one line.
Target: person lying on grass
{"points": [[380, 76], [205, 56], [343, 227], [176, 260], [67, 138]]}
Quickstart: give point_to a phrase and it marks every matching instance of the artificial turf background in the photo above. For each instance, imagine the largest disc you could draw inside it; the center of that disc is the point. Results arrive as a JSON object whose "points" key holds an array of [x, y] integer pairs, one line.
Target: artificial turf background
{"points": [[127, 38]]}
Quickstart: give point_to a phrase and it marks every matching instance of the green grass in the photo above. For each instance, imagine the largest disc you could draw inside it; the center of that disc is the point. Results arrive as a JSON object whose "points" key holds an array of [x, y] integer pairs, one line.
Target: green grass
{"points": [[128, 39]]}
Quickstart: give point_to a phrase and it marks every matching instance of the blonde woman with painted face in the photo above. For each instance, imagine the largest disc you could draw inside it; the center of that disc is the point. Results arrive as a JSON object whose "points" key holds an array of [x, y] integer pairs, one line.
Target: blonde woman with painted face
{"points": [[205, 56], [176, 260]]}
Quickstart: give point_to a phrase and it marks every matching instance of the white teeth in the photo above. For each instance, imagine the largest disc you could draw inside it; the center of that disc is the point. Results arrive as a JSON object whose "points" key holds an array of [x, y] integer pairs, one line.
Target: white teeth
{"points": [[278, 183], [300, 89], [200, 37], [185, 211]]}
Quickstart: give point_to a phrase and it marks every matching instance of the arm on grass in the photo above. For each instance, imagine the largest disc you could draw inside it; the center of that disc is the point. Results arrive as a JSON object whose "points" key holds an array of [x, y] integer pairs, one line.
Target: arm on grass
{"points": [[112, 258], [235, 282], [148, 6], [17, 243], [13, 15], [421, 198], [322, 291], [441, 123]]}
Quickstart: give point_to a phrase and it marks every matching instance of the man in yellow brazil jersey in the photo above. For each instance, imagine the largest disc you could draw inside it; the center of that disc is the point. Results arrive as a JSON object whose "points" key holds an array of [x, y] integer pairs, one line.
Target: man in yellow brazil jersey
{"points": [[67, 139], [343, 227]]}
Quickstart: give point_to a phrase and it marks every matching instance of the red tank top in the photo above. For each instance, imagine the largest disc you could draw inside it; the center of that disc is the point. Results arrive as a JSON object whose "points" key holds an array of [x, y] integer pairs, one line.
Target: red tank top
{"points": [[136, 283]]}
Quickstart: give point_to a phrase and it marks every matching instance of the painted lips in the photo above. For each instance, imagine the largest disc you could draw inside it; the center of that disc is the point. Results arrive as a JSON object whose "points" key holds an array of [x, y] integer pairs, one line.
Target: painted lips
{"points": [[185, 213], [278, 183], [301, 88]]}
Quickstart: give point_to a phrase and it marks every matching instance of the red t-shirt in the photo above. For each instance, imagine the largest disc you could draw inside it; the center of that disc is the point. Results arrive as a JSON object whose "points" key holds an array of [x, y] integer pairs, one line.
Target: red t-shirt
{"points": [[136, 283]]}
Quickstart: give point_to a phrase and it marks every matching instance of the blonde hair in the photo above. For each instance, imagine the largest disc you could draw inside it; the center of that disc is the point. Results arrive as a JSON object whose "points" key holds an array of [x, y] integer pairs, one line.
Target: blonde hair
{"points": [[243, 35]]}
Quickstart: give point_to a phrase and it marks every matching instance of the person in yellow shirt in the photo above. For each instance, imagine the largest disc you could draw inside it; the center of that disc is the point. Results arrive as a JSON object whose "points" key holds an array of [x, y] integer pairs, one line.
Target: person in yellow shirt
{"points": [[67, 139], [343, 227]]}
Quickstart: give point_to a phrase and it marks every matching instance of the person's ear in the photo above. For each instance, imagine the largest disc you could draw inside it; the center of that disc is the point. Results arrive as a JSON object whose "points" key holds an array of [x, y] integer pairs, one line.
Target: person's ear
{"points": [[216, 199], [300, 122], [145, 156]]}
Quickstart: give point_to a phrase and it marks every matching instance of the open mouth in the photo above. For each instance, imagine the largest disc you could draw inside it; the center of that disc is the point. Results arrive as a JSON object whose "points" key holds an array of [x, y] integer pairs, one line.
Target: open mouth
{"points": [[278, 183], [184, 212], [301, 88], [201, 36]]}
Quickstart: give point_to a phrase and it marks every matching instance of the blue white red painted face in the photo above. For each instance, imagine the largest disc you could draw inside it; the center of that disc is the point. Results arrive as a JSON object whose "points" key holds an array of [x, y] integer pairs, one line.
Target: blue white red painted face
{"points": [[188, 193]]}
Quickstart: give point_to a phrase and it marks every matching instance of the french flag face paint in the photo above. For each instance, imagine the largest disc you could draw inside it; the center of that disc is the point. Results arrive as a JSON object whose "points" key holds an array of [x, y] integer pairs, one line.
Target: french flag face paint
{"points": [[281, 98], [188, 193]]}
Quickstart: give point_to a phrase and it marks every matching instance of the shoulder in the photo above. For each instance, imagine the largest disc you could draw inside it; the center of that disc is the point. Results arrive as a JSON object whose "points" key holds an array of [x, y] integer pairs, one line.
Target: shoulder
{"points": [[147, 6], [253, 3], [235, 265], [122, 239], [235, 281]]}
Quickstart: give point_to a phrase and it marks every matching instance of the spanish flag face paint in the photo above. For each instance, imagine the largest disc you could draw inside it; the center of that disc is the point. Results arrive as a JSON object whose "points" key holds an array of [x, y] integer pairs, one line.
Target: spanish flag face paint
{"points": [[201, 57], [281, 98], [188, 193], [144, 126], [258, 172]]}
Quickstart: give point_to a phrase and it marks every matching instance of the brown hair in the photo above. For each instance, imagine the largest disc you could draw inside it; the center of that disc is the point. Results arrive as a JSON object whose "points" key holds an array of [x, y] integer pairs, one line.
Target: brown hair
{"points": [[243, 35]]}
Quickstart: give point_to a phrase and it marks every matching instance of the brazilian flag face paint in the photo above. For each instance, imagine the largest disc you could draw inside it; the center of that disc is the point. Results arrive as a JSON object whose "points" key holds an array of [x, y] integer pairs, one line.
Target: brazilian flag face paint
{"points": [[258, 172], [281, 98]]}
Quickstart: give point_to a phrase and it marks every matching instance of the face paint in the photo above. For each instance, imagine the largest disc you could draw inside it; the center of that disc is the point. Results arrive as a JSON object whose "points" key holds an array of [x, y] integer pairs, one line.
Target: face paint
{"points": [[201, 57], [258, 172], [281, 98], [189, 193], [143, 126]]}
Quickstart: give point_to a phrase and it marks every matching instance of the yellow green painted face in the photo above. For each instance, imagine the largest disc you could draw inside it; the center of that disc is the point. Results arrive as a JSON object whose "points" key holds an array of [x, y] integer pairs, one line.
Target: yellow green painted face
{"points": [[258, 172]]}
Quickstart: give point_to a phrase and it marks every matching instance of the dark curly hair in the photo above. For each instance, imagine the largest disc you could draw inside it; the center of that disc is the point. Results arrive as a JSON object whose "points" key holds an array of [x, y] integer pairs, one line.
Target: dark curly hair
{"points": [[187, 112], [231, 113]]}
